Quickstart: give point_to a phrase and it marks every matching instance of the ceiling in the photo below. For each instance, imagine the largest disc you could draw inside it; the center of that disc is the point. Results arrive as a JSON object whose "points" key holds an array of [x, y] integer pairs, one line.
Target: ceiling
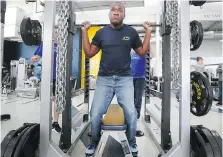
{"points": [[90, 5], [212, 25]]}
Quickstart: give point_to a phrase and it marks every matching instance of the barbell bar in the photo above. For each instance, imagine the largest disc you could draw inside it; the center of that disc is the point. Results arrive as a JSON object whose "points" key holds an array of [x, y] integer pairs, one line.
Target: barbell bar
{"points": [[132, 25]]}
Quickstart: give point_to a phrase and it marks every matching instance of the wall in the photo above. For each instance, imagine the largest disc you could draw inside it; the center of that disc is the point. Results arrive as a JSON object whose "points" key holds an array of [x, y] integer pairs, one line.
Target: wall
{"points": [[28, 51], [9, 52], [30, 8], [210, 51]]}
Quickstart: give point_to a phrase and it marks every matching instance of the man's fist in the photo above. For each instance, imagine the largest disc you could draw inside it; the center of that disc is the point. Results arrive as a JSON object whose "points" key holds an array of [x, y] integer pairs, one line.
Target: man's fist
{"points": [[85, 26], [147, 26]]}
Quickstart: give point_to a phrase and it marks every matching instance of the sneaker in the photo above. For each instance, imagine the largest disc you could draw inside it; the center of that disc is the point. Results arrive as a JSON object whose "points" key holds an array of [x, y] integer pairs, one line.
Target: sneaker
{"points": [[139, 133], [56, 127], [134, 148], [90, 149]]}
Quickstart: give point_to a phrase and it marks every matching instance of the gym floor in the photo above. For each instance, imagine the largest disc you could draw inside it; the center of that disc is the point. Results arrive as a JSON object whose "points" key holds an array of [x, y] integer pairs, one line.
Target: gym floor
{"points": [[28, 110]]}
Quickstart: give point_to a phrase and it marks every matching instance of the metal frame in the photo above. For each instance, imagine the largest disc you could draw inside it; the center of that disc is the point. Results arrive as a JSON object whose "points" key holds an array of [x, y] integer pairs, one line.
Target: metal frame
{"points": [[2, 20], [120, 136], [65, 138], [47, 146], [182, 148]]}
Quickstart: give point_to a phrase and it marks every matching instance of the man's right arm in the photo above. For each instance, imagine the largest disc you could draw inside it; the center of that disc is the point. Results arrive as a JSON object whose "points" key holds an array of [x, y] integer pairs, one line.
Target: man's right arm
{"points": [[37, 54], [90, 50]]}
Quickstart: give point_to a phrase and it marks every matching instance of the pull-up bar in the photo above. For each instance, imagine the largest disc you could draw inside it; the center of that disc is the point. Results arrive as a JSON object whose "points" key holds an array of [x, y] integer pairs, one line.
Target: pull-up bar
{"points": [[133, 25]]}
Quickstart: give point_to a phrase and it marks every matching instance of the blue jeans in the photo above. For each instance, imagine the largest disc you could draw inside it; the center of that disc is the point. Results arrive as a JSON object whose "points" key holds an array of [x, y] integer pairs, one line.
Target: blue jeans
{"points": [[106, 87], [139, 85]]}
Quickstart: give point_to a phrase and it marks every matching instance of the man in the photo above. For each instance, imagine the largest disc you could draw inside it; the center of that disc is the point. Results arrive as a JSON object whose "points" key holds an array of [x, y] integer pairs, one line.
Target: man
{"points": [[114, 77], [36, 58], [138, 67], [200, 66], [219, 71]]}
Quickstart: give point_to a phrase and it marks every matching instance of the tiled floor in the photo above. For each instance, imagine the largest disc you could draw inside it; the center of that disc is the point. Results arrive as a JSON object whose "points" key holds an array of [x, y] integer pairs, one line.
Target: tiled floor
{"points": [[28, 110]]}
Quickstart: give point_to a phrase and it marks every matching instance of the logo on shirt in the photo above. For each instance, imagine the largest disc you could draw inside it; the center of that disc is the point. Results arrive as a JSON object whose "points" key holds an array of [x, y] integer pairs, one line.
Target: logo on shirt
{"points": [[125, 38]]}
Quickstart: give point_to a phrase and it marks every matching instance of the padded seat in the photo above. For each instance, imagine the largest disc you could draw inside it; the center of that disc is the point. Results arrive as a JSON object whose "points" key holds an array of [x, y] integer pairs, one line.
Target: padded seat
{"points": [[114, 127], [114, 119]]}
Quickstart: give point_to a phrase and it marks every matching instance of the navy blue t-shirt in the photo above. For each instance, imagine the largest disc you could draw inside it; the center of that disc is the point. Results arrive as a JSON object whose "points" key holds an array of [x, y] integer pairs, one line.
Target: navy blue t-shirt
{"points": [[116, 45]]}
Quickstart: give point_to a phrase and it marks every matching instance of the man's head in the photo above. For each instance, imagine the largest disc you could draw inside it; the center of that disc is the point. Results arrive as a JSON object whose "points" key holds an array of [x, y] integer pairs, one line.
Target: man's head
{"points": [[117, 13], [200, 60]]}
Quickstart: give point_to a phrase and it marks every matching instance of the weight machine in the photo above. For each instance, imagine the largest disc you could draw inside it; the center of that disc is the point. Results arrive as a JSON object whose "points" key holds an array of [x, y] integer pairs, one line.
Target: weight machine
{"points": [[26, 88]]}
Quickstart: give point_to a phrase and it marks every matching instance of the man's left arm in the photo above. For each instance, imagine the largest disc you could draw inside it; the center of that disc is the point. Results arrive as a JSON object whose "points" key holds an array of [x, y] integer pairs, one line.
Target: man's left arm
{"points": [[142, 50]]}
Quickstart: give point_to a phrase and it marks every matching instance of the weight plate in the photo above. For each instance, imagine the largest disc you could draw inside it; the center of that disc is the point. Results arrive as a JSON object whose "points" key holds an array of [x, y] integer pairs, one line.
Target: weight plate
{"points": [[29, 142], [214, 145], [196, 30], [31, 32], [202, 94], [197, 3], [6, 141], [217, 138], [13, 144], [9, 139], [200, 146], [205, 151]]}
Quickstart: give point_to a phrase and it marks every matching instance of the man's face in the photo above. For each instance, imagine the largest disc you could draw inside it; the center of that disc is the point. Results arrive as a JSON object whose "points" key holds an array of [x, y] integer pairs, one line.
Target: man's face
{"points": [[117, 13], [200, 61]]}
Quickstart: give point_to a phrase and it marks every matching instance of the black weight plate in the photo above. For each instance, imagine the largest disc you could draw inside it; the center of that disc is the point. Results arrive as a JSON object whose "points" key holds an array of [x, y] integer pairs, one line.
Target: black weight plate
{"points": [[9, 137], [205, 151], [218, 139], [31, 32], [214, 145], [197, 3], [13, 144], [29, 142], [199, 145], [37, 32], [196, 29], [202, 94], [26, 31], [6, 141]]}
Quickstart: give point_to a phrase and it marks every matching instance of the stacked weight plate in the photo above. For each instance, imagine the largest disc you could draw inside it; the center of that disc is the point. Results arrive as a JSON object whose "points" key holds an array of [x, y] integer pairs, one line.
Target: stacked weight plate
{"points": [[87, 80], [23, 142], [147, 78], [205, 143]]}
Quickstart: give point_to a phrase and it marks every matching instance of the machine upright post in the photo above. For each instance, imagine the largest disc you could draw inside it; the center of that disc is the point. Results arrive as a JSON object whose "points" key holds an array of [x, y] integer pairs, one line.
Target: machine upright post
{"points": [[65, 138], [47, 73], [184, 106], [166, 142], [2, 16]]}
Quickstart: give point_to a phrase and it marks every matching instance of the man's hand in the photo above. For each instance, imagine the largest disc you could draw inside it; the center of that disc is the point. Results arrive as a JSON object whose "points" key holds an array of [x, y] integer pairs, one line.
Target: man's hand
{"points": [[147, 26], [85, 26]]}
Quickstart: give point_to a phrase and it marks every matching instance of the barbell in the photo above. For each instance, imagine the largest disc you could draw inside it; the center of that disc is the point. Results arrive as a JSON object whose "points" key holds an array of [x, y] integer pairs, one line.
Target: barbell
{"points": [[31, 32], [132, 25]]}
